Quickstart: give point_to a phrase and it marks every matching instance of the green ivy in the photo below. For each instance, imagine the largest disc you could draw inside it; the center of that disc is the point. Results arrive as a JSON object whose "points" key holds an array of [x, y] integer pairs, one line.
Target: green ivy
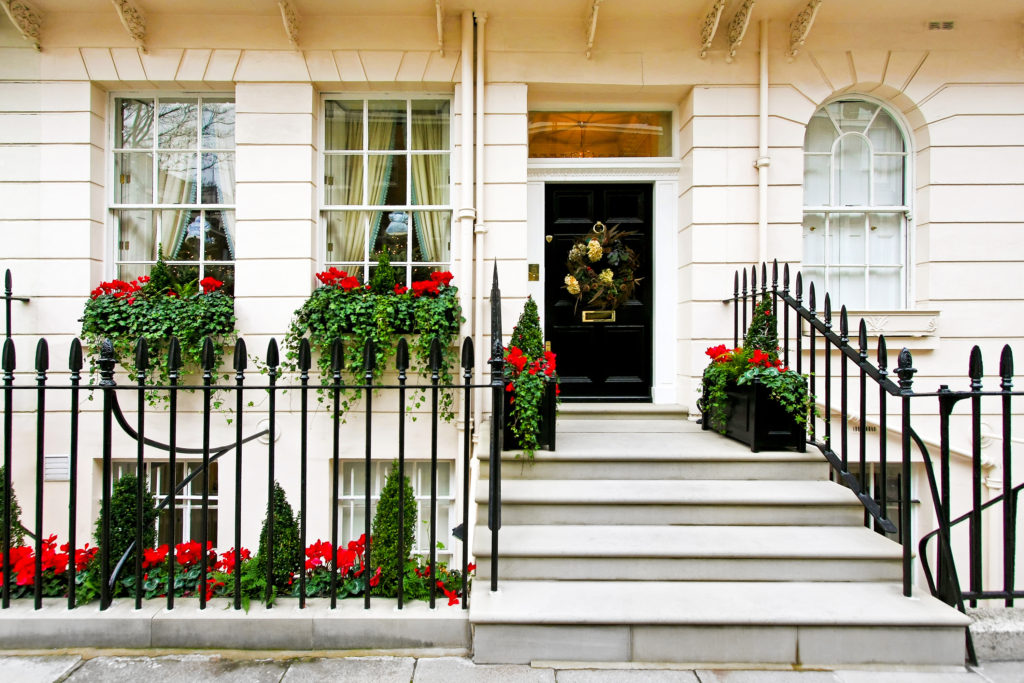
{"points": [[529, 368]]}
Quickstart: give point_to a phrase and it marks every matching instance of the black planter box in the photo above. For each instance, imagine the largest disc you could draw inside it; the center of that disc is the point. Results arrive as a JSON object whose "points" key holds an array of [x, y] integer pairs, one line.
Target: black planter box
{"points": [[546, 437], [758, 421]]}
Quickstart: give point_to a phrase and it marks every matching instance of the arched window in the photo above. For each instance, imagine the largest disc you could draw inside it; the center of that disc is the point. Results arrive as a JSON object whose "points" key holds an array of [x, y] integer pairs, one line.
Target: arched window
{"points": [[856, 205]]}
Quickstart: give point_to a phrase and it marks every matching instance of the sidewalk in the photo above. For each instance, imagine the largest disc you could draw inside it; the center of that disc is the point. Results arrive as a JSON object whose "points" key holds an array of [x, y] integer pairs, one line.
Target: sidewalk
{"points": [[257, 668]]}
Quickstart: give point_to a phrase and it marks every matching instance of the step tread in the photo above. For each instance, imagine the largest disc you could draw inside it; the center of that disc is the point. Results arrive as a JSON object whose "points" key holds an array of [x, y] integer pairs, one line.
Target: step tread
{"points": [[741, 455], [738, 492], [710, 603], [641, 442], [733, 542]]}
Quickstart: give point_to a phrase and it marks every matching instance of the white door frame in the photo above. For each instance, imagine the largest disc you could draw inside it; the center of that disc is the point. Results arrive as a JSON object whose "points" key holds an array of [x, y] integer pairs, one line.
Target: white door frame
{"points": [[664, 176]]}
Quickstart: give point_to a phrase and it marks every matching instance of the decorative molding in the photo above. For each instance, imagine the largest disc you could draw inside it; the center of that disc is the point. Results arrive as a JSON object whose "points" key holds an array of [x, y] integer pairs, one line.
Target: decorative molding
{"points": [[710, 27], [738, 27], [133, 20], [291, 22], [25, 18], [591, 25], [439, 11], [800, 27], [599, 170]]}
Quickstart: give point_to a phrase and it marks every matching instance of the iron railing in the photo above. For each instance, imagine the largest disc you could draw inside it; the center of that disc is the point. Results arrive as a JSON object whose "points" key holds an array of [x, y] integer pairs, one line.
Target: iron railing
{"points": [[111, 412], [811, 342]]}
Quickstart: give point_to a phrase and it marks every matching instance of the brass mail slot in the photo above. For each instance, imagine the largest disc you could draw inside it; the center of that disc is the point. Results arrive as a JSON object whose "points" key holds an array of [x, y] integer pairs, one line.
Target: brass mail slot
{"points": [[598, 316]]}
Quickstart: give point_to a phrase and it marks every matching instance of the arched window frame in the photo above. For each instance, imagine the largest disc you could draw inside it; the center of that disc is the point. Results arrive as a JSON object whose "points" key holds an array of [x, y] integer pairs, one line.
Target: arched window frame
{"points": [[825, 264]]}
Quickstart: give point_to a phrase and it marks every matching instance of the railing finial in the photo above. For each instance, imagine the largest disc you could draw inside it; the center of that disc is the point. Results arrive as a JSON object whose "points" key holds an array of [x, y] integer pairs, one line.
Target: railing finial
{"points": [[811, 299], [241, 359], [883, 356], [337, 355], [844, 324], [208, 357], [905, 371], [402, 355], [273, 356], [976, 368], [174, 354], [828, 311], [304, 355], [106, 363], [862, 338], [75, 356], [1006, 367], [42, 356], [141, 355]]}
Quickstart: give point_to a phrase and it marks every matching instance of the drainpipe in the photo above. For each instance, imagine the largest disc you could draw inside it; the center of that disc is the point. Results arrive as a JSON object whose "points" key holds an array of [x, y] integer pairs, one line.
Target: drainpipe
{"points": [[762, 150], [467, 212], [481, 227]]}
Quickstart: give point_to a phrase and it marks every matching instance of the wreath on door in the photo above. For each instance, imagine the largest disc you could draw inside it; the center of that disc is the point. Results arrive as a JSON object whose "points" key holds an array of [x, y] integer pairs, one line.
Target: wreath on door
{"points": [[602, 268]]}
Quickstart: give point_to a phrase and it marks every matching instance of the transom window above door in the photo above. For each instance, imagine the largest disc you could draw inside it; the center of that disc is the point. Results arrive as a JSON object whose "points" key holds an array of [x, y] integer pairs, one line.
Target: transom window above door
{"points": [[386, 185], [855, 206], [586, 134]]}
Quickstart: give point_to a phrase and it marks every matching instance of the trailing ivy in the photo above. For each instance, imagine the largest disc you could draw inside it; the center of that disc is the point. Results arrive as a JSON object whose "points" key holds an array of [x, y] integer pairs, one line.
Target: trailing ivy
{"points": [[529, 367], [343, 308]]}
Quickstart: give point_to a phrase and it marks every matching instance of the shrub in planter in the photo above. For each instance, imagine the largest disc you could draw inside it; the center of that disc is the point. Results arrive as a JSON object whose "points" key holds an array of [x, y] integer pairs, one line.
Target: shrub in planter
{"points": [[17, 531], [531, 373], [287, 549], [157, 307], [754, 364], [388, 528], [344, 308], [122, 524]]}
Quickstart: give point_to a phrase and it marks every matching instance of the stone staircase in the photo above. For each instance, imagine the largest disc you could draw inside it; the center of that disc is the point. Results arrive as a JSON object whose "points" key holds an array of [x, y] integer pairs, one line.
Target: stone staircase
{"points": [[644, 539]]}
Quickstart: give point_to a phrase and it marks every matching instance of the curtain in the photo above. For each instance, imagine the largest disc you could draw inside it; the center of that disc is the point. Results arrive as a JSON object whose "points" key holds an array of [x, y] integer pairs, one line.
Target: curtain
{"points": [[429, 182], [382, 136], [176, 184]]}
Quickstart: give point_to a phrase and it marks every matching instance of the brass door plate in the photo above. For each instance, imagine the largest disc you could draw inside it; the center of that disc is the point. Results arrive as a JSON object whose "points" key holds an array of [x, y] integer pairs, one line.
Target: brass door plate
{"points": [[598, 316], [533, 272]]}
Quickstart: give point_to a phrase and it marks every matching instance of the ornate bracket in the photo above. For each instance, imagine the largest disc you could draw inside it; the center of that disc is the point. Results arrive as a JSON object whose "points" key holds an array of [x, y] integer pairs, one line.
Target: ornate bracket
{"points": [[25, 18], [291, 22], [707, 31], [439, 11], [133, 20], [738, 27], [800, 27], [591, 25]]}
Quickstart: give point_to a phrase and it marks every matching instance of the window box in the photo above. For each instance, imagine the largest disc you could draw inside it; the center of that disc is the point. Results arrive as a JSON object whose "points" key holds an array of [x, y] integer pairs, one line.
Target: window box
{"points": [[758, 421]]}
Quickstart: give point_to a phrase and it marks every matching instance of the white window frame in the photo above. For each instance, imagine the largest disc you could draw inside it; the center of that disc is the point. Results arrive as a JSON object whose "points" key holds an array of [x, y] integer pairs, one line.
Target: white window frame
{"points": [[114, 207], [368, 262], [869, 209], [418, 473]]}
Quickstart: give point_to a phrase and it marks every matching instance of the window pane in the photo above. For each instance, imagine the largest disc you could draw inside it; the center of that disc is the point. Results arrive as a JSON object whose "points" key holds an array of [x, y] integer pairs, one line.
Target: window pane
{"points": [[224, 273], [851, 164], [600, 134], [387, 124], [816, 179], [431, 230], [884, 240], [444, 475], [177, 120], [182, 234], [846, 239], [196, 518], [821, 133], [218, 124], [885, 135], [814, 238], [133, 178], [136, 236], [218, 178], [430, 179], [814, 276], [343, 179], [355, 475], [134, 124], [392, 235], [346, 235], [430, 124], [852, 115], [219, 237], [343, 125], [846, 285], [387, 179], [885, 287], [177, 178], [888, 180]]}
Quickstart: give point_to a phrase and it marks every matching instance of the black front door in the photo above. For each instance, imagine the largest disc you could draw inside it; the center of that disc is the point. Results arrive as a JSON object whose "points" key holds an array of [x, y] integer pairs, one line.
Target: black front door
{"points": [[599, 361]]}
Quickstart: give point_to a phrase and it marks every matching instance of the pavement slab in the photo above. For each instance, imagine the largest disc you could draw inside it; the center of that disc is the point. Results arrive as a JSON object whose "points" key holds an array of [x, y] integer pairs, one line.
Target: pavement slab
{"points": [[625, 676], [458, 670], [178, 669], [377, 669], [28, 669]]}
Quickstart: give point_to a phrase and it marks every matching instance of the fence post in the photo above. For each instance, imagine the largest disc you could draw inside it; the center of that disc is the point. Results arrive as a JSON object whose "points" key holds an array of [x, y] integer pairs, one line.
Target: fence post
{"points": [[1009, 526], [75, 366], [976, 370], [906, 375], [141, 365], [497, 363], [42, 365], [106, 363]]}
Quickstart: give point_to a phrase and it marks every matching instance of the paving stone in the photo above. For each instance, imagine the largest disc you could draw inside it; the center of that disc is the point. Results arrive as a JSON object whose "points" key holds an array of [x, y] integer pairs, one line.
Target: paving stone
{"points": [[744, 676], [36, 669], [458, 670], [1003, 672], [377, 669], [179, 669], [624, 676], [909, 677]]}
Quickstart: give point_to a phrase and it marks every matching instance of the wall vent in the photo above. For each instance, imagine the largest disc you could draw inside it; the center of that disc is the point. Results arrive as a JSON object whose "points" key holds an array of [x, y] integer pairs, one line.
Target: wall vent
{"points": [[57, 467], [941, 25]]}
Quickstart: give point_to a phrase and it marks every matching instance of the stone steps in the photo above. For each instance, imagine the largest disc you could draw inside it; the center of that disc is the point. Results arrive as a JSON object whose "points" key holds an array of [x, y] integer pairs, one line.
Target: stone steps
{"points": [[690, 553]]}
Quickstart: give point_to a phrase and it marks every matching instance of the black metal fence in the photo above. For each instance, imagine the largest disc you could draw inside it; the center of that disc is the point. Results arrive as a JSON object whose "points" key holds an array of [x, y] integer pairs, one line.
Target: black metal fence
{"points": [[810, 343], [242, 388]]}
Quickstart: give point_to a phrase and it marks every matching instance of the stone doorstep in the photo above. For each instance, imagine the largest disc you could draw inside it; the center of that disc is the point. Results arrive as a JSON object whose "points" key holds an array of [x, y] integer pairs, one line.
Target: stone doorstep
{"points": [[997, 632], [284, 627]]}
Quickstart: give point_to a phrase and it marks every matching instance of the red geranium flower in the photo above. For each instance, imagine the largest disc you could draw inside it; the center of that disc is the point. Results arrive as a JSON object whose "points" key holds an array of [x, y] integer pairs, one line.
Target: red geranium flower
{"points": [[210, 284]]}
